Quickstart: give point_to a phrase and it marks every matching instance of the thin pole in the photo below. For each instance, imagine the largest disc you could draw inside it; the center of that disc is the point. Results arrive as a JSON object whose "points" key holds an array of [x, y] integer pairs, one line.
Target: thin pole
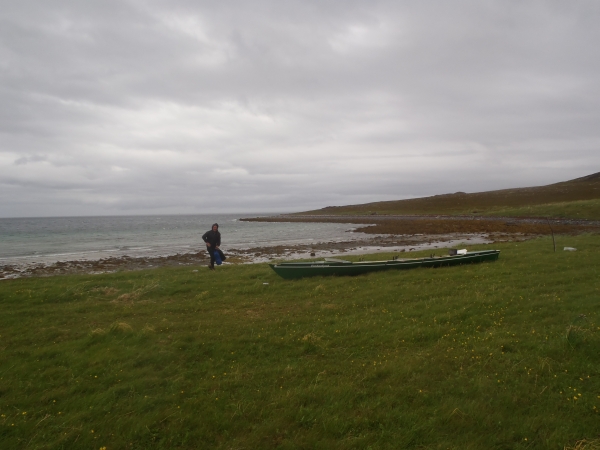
{"points": [[552, 231]]}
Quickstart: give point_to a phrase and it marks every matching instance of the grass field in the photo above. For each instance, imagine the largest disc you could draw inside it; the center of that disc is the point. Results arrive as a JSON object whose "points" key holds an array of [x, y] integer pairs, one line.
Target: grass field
{"points": [[501, 355], [581, 209]]}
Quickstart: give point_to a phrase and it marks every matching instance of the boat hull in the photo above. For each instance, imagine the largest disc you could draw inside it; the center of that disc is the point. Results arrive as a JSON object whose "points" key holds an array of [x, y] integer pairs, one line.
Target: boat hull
{"points": [[294, 270]]}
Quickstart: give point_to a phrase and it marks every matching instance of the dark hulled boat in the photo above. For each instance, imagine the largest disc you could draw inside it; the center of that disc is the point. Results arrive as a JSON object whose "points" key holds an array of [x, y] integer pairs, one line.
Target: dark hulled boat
{"points": [[292, 270]]}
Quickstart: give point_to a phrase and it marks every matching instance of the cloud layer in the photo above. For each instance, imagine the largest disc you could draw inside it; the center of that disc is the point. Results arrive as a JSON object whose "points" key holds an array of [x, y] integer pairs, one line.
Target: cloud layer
{"points": [[129, 107]]}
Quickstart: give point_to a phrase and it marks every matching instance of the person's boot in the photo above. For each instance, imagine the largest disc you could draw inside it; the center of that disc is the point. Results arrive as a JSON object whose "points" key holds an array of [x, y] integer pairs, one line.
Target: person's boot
{"points": [[211, 266]]}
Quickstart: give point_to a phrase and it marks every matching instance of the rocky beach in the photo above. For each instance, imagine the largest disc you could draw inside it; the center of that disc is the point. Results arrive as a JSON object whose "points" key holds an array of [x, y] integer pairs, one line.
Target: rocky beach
{"points": [[375, 244], [379, 234]]}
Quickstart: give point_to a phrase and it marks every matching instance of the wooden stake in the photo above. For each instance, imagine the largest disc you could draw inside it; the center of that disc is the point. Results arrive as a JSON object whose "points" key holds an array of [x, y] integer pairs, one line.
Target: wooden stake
{"points": [[551, 231]]}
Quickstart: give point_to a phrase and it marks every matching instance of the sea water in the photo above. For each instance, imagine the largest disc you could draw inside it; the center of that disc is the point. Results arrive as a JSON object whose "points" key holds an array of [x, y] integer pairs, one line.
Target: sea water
{"points": [[47, 240]]}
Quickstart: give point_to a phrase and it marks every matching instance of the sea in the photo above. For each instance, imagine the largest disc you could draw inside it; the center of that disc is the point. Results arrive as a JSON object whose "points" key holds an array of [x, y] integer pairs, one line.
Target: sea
{"points": [[51, 239]]}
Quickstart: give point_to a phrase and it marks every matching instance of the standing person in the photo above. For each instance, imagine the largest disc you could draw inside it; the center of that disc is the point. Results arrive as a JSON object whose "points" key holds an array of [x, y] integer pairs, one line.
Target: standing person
{"points": [[212, 238]]}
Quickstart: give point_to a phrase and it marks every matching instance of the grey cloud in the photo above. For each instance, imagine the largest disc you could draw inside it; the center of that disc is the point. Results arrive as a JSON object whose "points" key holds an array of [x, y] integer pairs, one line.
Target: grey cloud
{"points": [[29, 159], [186, 106]]}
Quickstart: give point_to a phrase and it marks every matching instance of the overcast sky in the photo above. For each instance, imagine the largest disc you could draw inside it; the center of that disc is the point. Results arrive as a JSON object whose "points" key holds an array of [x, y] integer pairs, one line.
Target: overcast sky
{"points": [[154, 107]]}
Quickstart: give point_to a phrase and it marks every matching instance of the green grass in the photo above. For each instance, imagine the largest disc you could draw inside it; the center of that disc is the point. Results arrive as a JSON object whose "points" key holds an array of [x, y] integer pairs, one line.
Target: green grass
{"points": [[501, 355], [582, 209]]}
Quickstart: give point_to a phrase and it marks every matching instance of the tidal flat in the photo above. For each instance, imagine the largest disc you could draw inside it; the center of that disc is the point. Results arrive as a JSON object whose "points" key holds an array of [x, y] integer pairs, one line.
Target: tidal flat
{"points": [[494, 355]]}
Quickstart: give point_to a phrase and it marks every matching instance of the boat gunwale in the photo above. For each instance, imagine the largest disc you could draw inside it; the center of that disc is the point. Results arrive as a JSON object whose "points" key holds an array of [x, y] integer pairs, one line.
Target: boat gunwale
{"points": [[294, 271], [389, 262]]}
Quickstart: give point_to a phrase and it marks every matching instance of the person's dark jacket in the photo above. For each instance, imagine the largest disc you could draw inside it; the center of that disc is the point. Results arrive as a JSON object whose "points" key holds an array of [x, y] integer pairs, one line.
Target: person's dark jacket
{"points": [[212, 238]]}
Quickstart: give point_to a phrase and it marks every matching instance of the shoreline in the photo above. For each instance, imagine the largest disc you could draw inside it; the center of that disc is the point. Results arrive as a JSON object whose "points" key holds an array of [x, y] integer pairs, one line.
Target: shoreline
{"points": [[254, 255]]}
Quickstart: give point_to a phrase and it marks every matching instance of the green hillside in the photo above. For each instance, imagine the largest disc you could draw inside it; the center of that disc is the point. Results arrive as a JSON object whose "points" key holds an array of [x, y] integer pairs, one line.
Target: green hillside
{"points": [[579, 198]]}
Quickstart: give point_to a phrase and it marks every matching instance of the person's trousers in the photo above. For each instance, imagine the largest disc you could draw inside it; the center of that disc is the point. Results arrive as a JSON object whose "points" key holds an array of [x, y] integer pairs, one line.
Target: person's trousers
{"points": [[211, 252]]}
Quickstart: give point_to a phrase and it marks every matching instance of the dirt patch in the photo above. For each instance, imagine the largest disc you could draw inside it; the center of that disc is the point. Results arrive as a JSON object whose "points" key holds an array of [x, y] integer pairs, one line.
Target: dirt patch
{"points": [[252, 314]]}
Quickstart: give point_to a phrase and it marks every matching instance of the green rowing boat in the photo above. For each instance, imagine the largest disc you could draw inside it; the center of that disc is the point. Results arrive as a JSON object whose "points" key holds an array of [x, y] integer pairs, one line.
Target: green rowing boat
{"points": [[292, 270]]}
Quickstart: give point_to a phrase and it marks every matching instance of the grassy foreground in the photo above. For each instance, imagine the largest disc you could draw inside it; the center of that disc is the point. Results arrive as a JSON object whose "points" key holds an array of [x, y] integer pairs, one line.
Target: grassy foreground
{"points": [[503, 355]]}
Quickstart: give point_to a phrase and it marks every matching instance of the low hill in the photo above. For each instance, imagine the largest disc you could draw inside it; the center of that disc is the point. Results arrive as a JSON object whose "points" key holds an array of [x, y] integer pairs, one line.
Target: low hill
{"points": [[578, 198]]}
